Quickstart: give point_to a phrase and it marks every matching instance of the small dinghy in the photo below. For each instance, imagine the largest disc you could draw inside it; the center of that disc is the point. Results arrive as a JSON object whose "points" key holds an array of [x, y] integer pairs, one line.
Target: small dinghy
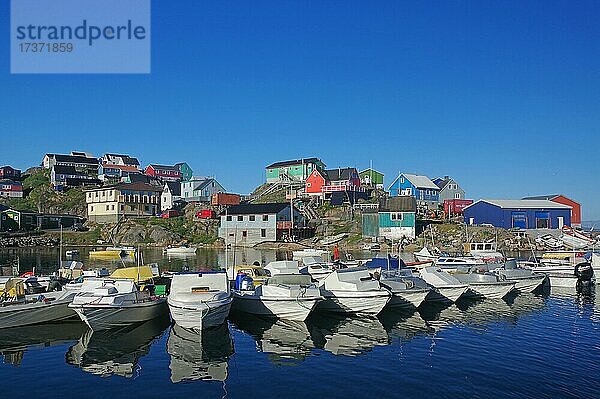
{"points": [[199, 300], [353, 290], [181, 250], [447, 287]]}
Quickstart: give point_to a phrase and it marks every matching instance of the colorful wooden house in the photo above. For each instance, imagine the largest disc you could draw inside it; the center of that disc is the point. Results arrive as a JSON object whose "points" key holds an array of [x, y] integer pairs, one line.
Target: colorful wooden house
{"points": [[164, 172], [8, 172], [425, 192], [323, 182], [185, 170], [11, 189], [371, 178], [394, 219], [297, 169], [116, 172], [120, 159], [449, 189]]}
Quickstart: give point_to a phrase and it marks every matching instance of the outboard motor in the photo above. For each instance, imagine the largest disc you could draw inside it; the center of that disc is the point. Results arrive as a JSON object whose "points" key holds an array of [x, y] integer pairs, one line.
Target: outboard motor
{"points": [[585, 276]]}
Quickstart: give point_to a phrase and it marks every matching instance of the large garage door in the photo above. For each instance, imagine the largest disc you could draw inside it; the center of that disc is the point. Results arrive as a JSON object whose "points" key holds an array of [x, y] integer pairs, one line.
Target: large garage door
{"points": [[519, 219]]}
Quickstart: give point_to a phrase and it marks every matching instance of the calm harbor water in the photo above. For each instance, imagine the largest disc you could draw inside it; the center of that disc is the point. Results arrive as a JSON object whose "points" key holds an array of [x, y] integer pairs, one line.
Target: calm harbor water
{"points": [[544, 346]]}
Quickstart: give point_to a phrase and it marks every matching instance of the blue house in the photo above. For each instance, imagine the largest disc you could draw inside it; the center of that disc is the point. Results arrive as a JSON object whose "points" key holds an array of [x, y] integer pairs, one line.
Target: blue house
{"points": [[421, 188], [524, 214]]}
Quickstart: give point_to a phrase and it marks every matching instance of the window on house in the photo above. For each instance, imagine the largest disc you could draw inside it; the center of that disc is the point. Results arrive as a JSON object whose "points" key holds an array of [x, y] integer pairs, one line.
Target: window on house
{"points": [[91, 209], [103, 194], [265, 218], [107, 207], [112, 207], [240, 218], [229, 218], [252, 218], [402, 180], [457, 195], [244, 233], [263, 233], [396, 216]]}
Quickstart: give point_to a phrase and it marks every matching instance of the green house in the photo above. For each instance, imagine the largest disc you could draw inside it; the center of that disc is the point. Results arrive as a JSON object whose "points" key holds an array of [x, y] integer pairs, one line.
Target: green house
{"points": [[297, 169], [185, 170], [371, 177], [395, 219], [13, 220]]}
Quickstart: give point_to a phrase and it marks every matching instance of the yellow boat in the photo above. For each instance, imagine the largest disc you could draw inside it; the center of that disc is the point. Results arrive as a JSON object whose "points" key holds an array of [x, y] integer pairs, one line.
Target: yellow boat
{"points": [[113, 253], [135, 273], [258, 273]]}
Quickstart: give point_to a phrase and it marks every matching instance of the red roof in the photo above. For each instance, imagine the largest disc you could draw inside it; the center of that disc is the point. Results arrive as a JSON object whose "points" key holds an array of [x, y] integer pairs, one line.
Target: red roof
{"points": [[126, 168]]}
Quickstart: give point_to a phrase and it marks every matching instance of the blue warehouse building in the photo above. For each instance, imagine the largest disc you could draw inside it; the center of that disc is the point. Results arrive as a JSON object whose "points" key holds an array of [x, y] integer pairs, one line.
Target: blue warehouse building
{"points": [[524, 214]]}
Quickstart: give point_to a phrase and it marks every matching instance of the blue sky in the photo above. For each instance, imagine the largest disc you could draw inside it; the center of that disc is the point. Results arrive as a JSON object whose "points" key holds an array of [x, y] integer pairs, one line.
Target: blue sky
{"points": [[503, 96]]}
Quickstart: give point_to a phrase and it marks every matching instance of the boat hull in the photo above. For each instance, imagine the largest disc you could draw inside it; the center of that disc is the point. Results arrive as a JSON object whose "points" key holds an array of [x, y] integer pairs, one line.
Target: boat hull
{"points": [[28, 314], [528, 284], [371, 302], [200, 316], [408, 299], [447, 293], [104, 317], [491, 291], [296, 309]]}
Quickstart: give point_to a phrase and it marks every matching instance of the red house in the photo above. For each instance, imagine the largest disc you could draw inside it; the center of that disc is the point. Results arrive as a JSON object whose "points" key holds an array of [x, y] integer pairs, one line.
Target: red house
{"points": [[561, 199], [164, 172], [7, 172], [11, 189], [328, 181]]}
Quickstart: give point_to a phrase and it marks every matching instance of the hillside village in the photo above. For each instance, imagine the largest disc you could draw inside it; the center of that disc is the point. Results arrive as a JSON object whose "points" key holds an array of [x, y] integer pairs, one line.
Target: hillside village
{"points": [[113, 199]]}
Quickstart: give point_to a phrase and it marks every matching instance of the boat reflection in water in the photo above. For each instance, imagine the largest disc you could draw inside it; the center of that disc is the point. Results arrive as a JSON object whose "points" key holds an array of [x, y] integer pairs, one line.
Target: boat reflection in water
{"points": [[404, 325], [14, 342], [349, 336], [286, 342], [199, 355], [482, 312], [117, 351]]}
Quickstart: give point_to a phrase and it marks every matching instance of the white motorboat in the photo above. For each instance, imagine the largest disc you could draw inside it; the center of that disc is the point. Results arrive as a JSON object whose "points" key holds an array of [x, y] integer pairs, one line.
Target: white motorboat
{"points": [[285, 296], [526, 279], [283, 267], [424, 255], [316, 267], [353, 290], [486, 251], [465, 263], [181, 250], [549, 241], [485, 285], [447, 287], [407, 290], [110, 303], [199, 300], [565, 272], [18, 309], [306, 252]]}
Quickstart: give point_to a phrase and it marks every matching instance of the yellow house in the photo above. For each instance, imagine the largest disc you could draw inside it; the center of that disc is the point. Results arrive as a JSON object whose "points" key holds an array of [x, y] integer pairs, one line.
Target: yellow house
{"points": [[109, 204]]}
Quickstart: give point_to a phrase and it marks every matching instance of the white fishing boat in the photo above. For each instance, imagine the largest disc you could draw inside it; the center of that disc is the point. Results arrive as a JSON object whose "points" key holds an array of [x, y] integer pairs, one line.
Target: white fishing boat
{"points": [[333, 239], [285, 296], [449, 263], [407, 290], [316, 267], [353, 290], [117, 301], [485, 285], [199, 300], [575, 239], [447, 287], [18, 309], [283, 267], [549, 241], [181, 250], [526, 279], [424, 255], [309, 252], [486, 251]]}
